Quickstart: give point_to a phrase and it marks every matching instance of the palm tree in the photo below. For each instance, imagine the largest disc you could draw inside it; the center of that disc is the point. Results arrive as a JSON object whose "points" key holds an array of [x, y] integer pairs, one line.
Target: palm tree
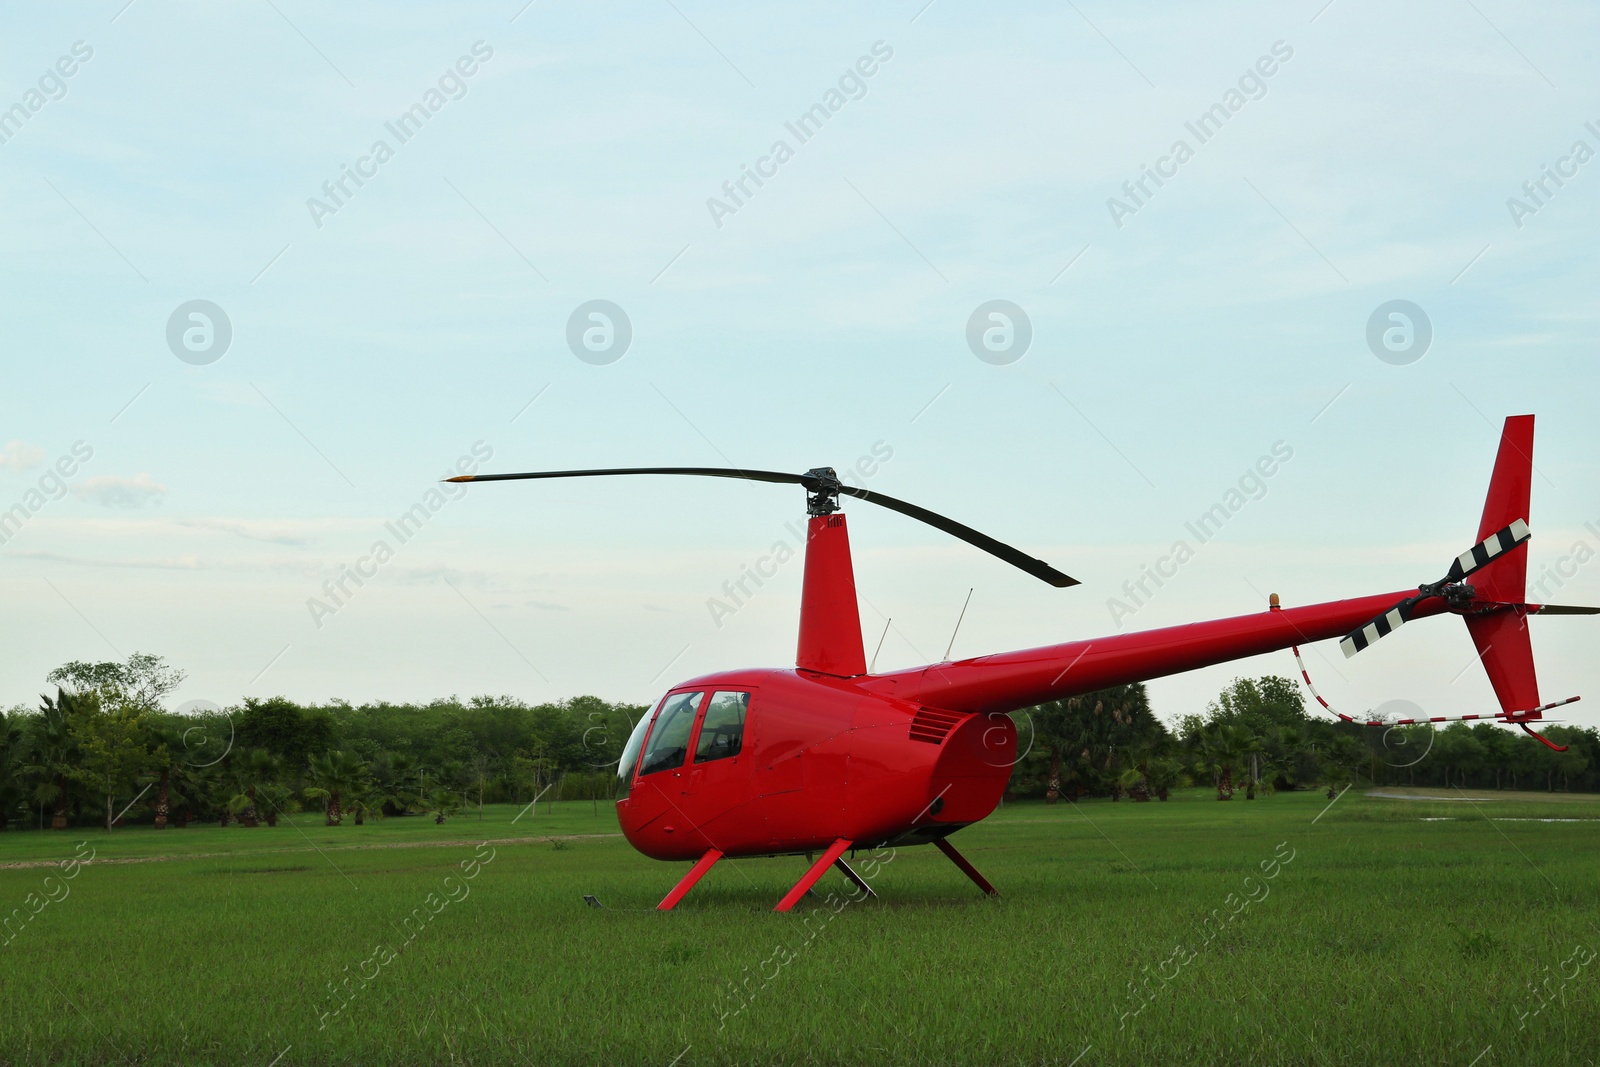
{"points": [[1083, 735], [12, 793], [277, 799], [191, 789], [1250, 751], [55, 750], [248, 772], [443, 802], [1053, 723], [337, 774], [398, 783], [363, 804], [169, 746], [1162, 775], [1222, 749]]}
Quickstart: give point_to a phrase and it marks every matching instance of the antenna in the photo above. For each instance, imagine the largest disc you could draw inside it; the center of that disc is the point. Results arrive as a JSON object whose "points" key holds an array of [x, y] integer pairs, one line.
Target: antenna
{"points": [[957, 630], [875, 651]]}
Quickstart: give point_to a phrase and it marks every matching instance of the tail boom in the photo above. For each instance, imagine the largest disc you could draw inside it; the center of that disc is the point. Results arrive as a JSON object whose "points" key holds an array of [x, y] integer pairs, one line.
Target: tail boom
{"points": [[1009, 681]]}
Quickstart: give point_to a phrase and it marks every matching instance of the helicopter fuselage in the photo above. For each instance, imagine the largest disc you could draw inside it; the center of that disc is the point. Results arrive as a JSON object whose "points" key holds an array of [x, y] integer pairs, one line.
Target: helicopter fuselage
{"points": [[820, 758]]}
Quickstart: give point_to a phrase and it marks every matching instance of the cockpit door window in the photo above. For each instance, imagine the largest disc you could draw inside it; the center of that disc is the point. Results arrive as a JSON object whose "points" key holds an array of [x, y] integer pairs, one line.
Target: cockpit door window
{"points": [[722, 732]]}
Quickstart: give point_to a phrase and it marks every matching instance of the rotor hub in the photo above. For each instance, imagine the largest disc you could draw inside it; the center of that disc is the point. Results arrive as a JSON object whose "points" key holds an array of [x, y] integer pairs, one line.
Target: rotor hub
{"points": [[822, 491], [1458, 595]]}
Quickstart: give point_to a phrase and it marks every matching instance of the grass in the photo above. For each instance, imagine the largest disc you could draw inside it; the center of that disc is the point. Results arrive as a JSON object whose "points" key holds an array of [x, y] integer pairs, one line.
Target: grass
{"points": [[1387, 938]]}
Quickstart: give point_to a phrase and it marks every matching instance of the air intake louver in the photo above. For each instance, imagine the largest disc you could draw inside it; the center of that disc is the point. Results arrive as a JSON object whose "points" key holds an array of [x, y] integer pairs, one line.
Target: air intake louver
{"points": [[933, 726]]}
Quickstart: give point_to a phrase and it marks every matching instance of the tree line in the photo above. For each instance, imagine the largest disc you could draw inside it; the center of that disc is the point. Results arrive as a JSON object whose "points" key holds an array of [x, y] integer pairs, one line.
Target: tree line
{"points": [[1258, 736], [103, 748]]}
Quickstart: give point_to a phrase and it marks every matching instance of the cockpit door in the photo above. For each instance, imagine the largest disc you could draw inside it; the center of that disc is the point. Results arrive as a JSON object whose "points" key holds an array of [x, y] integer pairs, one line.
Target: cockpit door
{"points": [[719, 780]]}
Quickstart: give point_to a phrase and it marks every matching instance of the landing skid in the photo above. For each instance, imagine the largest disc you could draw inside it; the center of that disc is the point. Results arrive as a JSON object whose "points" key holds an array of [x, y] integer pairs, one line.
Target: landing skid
{"points": [[833, 857]]}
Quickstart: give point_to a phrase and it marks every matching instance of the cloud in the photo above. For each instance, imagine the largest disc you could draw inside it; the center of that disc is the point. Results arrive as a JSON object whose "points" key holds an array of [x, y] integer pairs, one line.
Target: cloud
{"points": [[17, 456], [113, 492], [270, 533]]}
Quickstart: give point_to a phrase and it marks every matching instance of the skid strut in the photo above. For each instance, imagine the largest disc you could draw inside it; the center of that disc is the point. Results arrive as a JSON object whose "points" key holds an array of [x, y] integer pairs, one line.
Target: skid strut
{"points": [[817, 870], [686, 883], [849, 872], [966, 868]]}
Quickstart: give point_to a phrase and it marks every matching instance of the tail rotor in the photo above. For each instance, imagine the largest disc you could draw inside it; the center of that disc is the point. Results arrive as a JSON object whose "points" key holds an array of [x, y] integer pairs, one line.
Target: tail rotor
{"points": [[1493, 605]]}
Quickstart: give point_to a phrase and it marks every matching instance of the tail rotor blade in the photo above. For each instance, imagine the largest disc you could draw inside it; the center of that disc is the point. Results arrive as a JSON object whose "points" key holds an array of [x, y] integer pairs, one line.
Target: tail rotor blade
{"points": [[1382, 626], [1564, 609], [1490, 548]]}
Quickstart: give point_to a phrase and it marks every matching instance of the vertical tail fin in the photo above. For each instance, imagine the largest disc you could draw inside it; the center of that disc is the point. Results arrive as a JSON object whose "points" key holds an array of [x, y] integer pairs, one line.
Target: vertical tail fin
{"points": [[1503, 580], [1501, 633]]}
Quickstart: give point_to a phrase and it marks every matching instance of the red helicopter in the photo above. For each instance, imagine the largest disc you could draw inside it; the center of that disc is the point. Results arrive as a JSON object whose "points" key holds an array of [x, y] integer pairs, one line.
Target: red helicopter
{"points": [[826, 757]]}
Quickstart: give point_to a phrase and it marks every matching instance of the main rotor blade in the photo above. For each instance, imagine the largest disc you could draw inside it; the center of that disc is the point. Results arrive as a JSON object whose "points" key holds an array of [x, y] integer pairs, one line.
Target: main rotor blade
{"points": [[1021, 560], [705, 472], [1495, 545]]}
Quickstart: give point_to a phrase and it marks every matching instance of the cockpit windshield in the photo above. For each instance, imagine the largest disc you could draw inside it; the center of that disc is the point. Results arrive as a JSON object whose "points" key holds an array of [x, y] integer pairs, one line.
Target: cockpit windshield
{"points": [[630, 756], [669, 738]]}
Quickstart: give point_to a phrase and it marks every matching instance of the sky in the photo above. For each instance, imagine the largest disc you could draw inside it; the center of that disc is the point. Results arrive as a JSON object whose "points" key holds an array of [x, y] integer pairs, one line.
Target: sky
{"points": [[252, 371]]}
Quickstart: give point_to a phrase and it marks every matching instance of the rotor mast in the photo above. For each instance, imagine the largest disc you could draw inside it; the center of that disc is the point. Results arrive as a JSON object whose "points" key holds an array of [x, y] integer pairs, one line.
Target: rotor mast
{"points": [[830, 617]]}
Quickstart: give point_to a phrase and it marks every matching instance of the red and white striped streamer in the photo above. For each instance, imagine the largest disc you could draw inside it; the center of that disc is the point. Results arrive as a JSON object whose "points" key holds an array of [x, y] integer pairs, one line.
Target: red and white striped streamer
{"points": [[1499, 716]]}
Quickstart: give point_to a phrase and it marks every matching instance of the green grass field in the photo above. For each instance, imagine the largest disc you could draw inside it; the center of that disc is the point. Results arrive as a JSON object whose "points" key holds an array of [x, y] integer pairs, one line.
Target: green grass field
{"points": [[1400, 931]]}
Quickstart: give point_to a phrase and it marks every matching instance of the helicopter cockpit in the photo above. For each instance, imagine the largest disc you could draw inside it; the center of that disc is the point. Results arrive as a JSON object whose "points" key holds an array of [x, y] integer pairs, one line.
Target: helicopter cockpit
{"points": [[721, 734]]}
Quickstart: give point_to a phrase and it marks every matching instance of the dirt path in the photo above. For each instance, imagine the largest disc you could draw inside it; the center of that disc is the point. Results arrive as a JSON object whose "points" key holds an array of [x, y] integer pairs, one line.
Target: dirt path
{"points": [[1526, 796], [22, 865], [1421, 796]]}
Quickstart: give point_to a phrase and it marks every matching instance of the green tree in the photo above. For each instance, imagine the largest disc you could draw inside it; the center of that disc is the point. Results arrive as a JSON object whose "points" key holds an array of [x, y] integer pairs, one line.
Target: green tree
{"points": [[247, 772], [284, 729], [337, 774], [12, 763], [1091, 737], [140, 684], [1458, 752], [1259, 703], [112, 752], [54, 753], [1162, 774], [1223, 748], [277, 799]]}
